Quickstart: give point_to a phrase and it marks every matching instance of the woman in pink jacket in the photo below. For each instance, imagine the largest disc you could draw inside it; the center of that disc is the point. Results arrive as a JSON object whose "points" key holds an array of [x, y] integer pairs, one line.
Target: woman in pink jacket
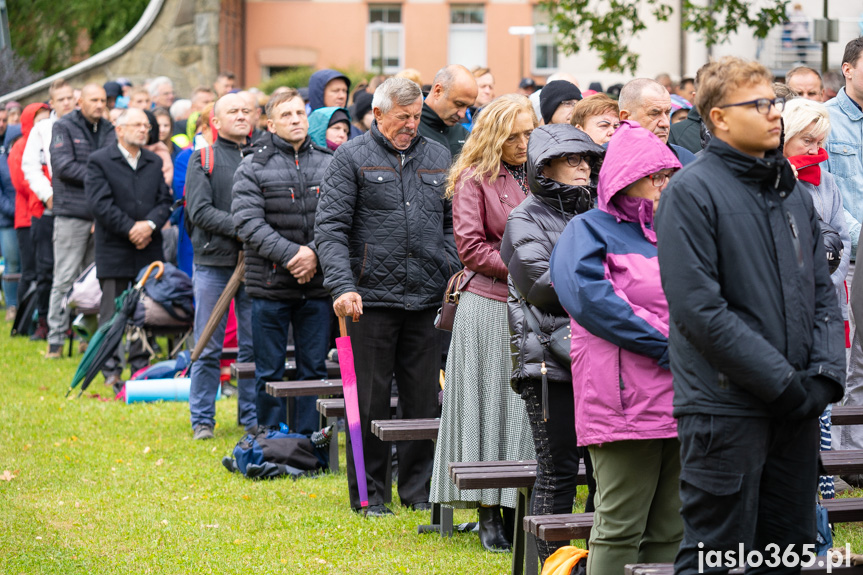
{"points": [[605, 271]]}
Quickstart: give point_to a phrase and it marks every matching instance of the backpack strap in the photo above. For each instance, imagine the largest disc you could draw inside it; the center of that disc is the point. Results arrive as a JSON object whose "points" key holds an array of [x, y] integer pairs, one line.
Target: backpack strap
{"points": [[207, 159]]}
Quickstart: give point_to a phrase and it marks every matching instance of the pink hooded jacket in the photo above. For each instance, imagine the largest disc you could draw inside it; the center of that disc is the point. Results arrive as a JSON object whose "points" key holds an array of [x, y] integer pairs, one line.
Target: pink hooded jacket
{"points": [[606, 274]]}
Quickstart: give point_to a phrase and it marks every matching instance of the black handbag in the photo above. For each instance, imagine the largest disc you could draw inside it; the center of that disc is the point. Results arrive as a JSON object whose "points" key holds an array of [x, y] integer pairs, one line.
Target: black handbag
{"points": [[558, 344]]}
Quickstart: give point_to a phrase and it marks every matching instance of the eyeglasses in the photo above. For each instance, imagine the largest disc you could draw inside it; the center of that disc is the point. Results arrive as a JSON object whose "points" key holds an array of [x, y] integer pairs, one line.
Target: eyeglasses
{"points": [[574, 160], [659, 179], [568, 103], [763, 105], [138, 126]]}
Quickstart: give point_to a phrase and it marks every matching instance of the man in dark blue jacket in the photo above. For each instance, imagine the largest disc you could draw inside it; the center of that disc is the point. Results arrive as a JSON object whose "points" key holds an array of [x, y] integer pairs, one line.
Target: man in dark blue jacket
{"points": [[209, 180], [756, 338], [128, 197]]}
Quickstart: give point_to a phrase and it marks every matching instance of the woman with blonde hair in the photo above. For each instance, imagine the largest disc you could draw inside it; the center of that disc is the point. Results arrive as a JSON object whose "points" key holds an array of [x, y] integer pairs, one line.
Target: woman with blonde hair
{"points": [[482, 419]]}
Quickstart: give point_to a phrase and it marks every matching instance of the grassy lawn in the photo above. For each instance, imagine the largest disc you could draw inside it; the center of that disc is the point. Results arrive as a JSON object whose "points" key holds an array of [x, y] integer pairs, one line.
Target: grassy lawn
{"points": [[92, 487]]}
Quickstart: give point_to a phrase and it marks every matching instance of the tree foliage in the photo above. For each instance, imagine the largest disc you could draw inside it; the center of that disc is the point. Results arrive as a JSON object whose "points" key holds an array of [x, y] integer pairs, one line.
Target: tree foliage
{"points": [[14, 72], [52, 34], [608, 26]]}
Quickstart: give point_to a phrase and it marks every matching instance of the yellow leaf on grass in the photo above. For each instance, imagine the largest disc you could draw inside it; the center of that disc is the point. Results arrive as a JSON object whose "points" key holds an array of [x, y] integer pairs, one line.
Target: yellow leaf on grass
{"points": [[7, 476], [147, 449]]}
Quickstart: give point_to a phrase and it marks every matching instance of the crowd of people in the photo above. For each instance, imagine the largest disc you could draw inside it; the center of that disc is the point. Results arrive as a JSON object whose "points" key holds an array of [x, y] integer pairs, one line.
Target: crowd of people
{"points": [[652, 279]]}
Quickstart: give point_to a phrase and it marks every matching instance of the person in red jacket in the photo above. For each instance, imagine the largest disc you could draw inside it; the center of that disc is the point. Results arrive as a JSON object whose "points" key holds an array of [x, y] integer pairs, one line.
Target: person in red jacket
{"points": [[27, 205]]}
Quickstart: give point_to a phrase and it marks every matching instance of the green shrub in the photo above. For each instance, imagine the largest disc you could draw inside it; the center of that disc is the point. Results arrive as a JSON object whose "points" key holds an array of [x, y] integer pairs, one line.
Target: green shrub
{"points": [[299, 78]]}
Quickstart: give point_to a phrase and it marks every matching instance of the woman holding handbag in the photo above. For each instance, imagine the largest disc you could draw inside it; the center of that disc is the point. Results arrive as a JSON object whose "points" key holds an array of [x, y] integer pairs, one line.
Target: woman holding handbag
{"points": [[481, 419], [562, 169], [606, 274]]}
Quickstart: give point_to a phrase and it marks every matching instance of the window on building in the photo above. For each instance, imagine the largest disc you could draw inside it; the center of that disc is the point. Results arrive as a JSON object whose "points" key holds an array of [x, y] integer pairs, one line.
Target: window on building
{"points": [[385, 47], [467, 36], [545, 51]]}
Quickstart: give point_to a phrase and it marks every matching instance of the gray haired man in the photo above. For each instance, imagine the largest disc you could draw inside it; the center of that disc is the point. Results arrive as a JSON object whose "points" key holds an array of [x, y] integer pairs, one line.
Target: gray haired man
{"points": [[384, 237]]}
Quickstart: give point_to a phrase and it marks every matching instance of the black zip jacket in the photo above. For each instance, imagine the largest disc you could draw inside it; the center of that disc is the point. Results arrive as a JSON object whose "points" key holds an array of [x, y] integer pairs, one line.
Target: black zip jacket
{"points": [[749, 292], [275, 195], [532, 231], [433, 128], [384, 227], [208, 205], [73, 139]]}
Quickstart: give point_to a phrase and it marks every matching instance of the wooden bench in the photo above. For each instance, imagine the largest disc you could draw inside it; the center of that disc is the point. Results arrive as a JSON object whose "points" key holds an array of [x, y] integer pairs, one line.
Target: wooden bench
{"points": [[847, 415], [304, 388], [247, 370], [501, 475], [405, 429], [331, 408], [231, 353]]}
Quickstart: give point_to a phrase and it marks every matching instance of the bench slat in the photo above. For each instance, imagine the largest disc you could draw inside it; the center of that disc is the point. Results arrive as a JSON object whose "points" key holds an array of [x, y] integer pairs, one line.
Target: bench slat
{"points": [[496, 480], [335, 406], [847, 415], [247, 370], [842, 462], [405, 429], [303, 388]]}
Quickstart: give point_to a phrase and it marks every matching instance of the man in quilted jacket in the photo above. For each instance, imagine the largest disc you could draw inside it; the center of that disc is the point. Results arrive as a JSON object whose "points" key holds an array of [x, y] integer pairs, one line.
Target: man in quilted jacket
{"points": [[275, 194], [384, 237]]}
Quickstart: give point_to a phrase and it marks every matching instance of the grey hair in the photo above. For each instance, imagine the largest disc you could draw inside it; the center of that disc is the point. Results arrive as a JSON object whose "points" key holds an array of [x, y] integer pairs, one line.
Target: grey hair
{"points": [[395, 91], [630, 96], [800, 113], [156, 82], [123, 118], [180, 108]]}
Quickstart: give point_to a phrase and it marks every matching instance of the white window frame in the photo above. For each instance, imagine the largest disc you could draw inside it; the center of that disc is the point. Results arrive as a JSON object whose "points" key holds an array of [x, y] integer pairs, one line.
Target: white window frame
{"points": [[544, 32], [383, 27], [468, 28]]}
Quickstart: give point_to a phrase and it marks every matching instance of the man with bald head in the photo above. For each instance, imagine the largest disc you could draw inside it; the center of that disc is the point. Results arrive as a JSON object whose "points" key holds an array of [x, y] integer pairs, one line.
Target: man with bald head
{"points": [[73, 138], [648, 103], [806, 82], [214, 240], [453, 92], [130, 202]]}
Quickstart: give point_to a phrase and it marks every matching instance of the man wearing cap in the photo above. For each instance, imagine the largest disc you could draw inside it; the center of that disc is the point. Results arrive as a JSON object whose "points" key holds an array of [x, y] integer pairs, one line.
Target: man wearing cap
{"points": [[557, 101], [526, 87], [362, 111], [453, 92]]}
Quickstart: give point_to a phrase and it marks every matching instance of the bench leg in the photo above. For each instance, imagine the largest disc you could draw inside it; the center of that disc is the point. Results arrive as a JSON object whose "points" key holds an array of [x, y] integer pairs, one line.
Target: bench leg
{"points": [[445, 521], [334, 444], [441, 521], [524, 557]]}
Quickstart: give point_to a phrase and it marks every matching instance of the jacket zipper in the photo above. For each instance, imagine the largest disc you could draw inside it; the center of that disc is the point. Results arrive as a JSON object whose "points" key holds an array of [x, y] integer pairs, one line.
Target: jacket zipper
{"points": [[795, 238]]}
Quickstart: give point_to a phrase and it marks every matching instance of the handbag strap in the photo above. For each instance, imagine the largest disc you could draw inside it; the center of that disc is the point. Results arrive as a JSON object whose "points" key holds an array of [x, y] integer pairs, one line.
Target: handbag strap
{"points": [[531, 318]]}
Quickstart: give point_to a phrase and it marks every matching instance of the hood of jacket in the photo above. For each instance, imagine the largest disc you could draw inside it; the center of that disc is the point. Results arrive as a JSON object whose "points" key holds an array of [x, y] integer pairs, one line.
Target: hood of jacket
{"points": [[29, 115], [318, 82], [13, 131], [632, 154], [553, 141], [319, 121]]}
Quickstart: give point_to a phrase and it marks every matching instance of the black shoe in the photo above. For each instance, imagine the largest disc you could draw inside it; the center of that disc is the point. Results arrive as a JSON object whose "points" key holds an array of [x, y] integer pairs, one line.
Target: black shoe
{"points": [[420, 506], [491, 532], [378, 511], [509, 525]]}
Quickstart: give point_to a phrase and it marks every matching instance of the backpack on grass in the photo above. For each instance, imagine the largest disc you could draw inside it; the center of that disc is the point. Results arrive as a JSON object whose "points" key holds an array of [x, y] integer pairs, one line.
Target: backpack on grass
{"points": [[274, 452]]}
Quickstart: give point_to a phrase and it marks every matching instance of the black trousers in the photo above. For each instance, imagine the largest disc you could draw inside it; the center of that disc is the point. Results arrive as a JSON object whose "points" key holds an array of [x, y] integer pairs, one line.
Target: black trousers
{"points": [[42, 239], [557, 454], [746, 481], [28, 260], [389, 342], [138, 357]]}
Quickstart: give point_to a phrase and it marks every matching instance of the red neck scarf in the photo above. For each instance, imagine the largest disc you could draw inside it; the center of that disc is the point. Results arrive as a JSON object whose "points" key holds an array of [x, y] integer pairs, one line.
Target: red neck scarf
{"points": [[808, 168]]}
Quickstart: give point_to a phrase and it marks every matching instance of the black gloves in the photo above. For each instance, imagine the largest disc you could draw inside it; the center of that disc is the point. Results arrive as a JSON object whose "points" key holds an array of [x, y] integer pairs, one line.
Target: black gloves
{"points": [[806, 397]]}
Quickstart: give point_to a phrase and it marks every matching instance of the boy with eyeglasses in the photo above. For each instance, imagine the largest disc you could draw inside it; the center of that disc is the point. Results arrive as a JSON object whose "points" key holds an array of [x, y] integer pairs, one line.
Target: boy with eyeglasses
{"points": [[756, 337]]}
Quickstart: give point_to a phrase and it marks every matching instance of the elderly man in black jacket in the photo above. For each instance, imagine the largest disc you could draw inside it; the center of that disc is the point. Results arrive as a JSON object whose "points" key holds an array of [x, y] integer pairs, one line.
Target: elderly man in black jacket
{"points": [[756, 338], [209, 180], [127, 195], [384, 235], [276, 190]]}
